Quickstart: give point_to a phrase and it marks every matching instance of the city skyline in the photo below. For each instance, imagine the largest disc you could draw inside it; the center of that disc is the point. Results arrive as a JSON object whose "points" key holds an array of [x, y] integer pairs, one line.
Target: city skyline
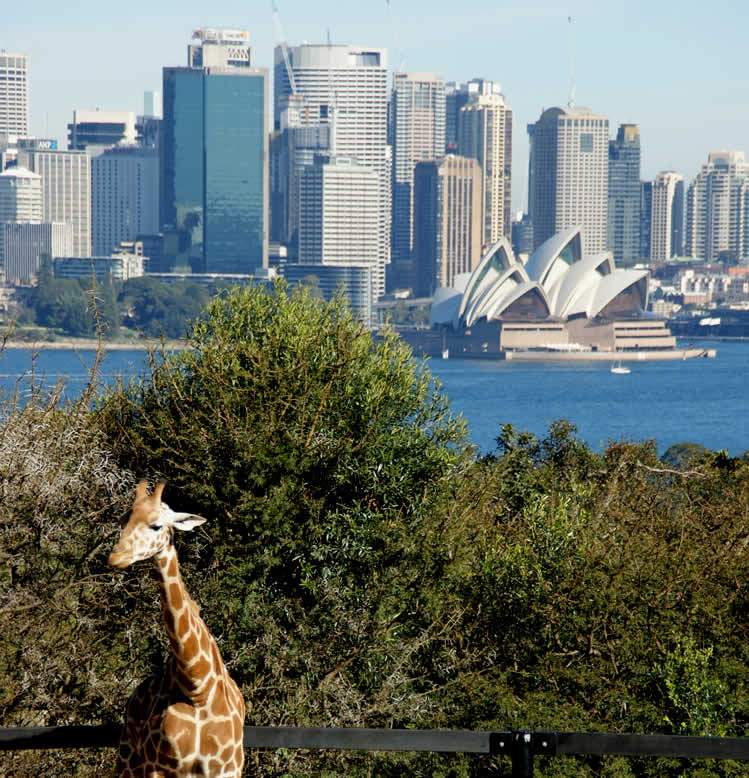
{"points": [[648, 64]]}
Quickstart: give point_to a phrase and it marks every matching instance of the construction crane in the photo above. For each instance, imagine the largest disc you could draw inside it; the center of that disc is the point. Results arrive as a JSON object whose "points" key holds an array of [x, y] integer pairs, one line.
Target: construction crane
{"points": [[284, 47]]}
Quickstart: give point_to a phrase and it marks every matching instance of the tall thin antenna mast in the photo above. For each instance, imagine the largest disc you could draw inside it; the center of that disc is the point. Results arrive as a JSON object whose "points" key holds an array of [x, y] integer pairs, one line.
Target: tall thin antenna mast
{"points": [[571, 45]]}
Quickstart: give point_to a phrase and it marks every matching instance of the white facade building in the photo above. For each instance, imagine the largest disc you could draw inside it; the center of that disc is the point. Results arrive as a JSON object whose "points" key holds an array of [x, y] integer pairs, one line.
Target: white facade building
{"points": [[124, 196], [20, 196], [568, 175], [339, 213], [485, 134], [666, 188], [66, 190], [14, 94], [24, 245], [345, 88]]}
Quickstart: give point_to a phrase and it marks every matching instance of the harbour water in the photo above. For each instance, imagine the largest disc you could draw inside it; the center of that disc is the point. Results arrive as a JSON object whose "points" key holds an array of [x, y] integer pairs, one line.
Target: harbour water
{"points": [[702, 401]]}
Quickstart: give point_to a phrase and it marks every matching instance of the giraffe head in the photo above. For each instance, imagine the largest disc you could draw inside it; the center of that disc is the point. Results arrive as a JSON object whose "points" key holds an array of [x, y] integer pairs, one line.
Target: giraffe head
{"points": [[149, 528]]}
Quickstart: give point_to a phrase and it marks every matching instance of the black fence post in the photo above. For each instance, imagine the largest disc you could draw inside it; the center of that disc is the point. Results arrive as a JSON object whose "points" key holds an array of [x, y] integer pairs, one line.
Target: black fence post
{"points": [[522, 754]]}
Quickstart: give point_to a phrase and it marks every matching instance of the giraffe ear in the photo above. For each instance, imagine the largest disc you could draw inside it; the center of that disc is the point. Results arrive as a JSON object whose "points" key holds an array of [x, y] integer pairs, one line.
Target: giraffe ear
{"points": [[186, 521]]}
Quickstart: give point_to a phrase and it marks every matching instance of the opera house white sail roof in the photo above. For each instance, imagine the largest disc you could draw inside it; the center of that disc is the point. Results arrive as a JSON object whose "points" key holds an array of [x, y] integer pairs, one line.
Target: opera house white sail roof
{"points": [[557, 283]]}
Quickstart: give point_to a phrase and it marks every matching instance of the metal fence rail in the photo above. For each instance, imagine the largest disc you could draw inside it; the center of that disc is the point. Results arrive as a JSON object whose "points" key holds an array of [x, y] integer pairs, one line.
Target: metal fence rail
{"points": [[521, 746]]}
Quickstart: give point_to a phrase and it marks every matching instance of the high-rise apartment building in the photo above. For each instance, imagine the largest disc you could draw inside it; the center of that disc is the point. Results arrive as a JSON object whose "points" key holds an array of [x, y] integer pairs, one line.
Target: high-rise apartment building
{"points": [[124, 196], [14, 94], [568, 175], [343, 88], [214, 178], [667, 217], [624, 195], [485, 134], [66, 188], [447, 221], [417, 114], [718, 209]]}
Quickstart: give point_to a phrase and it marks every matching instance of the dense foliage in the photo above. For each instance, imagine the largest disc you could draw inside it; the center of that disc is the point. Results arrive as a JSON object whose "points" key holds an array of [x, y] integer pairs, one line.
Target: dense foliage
{"points": [[360, 567], [82, 307]]}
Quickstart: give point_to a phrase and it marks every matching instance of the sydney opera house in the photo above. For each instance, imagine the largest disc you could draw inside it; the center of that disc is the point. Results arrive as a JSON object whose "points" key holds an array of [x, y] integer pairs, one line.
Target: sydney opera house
{"points": [[559, 300]]}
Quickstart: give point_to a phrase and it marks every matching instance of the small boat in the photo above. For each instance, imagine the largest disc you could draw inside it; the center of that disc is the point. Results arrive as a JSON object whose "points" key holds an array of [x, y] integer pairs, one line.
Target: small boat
{"points": [[619, 368]]}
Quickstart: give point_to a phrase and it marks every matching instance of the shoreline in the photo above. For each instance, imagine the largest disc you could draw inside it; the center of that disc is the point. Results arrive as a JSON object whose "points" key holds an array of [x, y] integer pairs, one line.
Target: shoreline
{"points": [[82, 344]]}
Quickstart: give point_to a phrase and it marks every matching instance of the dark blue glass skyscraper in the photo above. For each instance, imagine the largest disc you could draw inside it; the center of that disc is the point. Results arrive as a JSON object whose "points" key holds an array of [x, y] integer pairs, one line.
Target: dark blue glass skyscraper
{"points": [[214, 150]]}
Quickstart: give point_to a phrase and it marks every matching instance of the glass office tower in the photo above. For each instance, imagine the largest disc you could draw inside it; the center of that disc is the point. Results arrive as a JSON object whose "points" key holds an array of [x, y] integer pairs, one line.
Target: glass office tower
{"points": [[214, 177]]}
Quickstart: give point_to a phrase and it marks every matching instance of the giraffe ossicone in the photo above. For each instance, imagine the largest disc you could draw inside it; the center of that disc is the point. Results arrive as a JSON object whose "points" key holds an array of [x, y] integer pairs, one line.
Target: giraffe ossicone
{"points": [[188, 719]]}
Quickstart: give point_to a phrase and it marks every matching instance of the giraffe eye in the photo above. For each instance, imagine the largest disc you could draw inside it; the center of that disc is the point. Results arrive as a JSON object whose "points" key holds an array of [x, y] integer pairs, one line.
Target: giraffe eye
{"points": [[155, 527]]}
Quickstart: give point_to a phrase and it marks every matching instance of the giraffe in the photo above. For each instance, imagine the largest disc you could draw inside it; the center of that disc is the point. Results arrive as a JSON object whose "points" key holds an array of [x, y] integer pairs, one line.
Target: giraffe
{"points": [[188, 719]]}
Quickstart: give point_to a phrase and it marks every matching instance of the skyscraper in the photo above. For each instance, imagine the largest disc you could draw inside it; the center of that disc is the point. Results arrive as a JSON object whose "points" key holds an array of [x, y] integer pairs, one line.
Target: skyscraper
{"points": [[458, 94], [447, 221], [338, 213], [624, 195], [485, 134], [124, 196], [214, 181], [646, 212], [66, 188], [417, 114], [345, 89], [667, 217], [568, 175], [14, 94], [718, 209]]}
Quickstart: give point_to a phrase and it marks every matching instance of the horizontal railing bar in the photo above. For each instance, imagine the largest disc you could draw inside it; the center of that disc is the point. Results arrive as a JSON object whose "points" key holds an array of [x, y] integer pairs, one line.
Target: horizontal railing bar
{"points": [[681, 746], [435, 740], [363, 739]]}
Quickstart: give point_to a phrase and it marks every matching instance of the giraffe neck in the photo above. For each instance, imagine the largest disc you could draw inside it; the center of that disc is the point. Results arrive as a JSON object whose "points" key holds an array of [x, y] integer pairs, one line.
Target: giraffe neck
{"points": [[193, 648]]}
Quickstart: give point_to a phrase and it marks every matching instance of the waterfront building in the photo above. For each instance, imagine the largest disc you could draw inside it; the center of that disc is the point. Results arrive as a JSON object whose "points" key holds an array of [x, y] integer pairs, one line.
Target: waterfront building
{"points": [[448, 224], [561, 299], [717, 211], [14, 94], [66, 188], [667, 217], [214, 177], [417, 115], [25, 244], [623, 235], [355, 279], [94, 131], [124, 196], [485, 134], [568, 175], [121, 266], [343, 88]]}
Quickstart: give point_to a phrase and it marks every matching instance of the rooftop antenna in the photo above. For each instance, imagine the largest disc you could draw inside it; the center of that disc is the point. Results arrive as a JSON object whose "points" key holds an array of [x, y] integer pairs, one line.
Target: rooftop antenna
{"points": [[571, 44]]}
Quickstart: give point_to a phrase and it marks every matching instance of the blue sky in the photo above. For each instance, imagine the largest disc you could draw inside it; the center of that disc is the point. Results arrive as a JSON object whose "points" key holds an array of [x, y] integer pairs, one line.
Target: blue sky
{"points": [[680, 70]]}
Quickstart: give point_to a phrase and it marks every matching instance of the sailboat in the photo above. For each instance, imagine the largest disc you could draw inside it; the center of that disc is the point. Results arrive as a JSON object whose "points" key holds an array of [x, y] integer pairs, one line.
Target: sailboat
{"points": [[619, 368]]}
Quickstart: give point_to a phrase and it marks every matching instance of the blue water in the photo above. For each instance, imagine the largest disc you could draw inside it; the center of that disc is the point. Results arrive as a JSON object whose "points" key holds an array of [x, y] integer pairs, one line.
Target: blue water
{"points": [[699, 400]]}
